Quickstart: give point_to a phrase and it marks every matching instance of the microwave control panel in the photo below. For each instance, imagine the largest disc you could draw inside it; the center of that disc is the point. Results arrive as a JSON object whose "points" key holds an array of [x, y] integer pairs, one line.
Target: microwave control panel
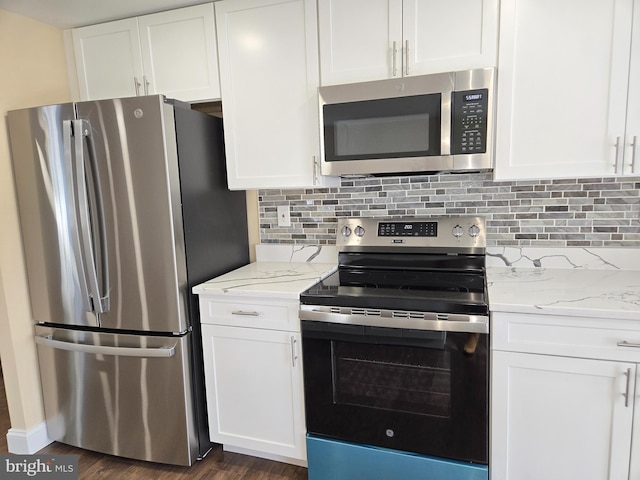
{"points": [[469, 121]]}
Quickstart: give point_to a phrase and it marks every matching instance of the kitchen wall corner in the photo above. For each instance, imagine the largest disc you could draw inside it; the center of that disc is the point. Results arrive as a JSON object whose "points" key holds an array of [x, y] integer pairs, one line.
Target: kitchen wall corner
{"points": [[34, 73], [252, 222]]}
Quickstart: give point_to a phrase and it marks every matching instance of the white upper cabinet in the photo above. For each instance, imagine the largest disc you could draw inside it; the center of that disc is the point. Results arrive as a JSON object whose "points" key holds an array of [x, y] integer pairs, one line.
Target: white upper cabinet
{"points": [[172, 53], [268, 54], [108, 59], [363, 40], [567, 105], [632, 133]]}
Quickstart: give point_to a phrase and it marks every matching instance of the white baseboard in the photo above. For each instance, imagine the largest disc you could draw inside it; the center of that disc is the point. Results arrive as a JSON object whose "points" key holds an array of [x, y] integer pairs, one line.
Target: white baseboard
{"points": [[28, 442]]}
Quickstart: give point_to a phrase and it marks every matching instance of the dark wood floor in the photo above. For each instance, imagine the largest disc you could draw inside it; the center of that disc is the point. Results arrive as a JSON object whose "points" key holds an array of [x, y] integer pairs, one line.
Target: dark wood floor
{"points": [[218, 465]]}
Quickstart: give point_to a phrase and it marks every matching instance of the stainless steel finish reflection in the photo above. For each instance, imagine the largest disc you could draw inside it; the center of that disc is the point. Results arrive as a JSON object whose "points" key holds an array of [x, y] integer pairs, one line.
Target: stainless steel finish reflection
{"points": [[116, 230], [122, 391], [395, 318], [471, 239], [114, 145], [47, 196], [443, 83]]}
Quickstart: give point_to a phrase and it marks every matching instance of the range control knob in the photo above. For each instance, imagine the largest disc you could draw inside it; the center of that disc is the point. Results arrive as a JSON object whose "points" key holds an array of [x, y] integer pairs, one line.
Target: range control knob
{"points": [[474, 230], [457, 231], [359, 231], [346, 231]]}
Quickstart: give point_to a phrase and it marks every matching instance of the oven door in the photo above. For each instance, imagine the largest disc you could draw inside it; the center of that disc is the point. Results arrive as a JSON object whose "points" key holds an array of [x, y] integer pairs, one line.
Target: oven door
{"points": [[411, 390]]}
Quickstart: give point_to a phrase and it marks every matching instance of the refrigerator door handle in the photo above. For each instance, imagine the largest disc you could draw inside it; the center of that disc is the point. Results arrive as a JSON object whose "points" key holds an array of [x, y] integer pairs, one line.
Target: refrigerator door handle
{"points": [[72, 216], [91, 216], [164, 351]]}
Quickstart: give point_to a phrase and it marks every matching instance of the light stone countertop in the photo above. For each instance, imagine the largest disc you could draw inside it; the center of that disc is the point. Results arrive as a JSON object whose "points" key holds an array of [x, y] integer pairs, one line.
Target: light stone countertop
{"points": [[268, 280], [572, 292]]}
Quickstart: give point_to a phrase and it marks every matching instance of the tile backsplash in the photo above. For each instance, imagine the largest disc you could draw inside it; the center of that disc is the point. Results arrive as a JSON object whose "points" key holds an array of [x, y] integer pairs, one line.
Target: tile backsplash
{"points": [[582, 212]]}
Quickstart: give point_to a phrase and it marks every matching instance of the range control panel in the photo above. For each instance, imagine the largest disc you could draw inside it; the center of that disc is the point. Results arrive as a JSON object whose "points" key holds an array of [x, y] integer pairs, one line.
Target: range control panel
{"points": [[408, 229], [446, 233]]}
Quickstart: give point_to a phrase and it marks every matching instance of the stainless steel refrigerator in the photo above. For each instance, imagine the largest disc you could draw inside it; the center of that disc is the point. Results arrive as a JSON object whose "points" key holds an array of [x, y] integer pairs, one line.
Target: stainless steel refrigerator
{"points": [[124, 207]]}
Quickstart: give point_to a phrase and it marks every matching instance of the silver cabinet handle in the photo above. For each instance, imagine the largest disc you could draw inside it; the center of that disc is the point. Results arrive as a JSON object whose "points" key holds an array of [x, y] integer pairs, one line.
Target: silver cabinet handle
{"points": [[626, 393], [406, 57], [316, 170], [394, 55], [634, 155], [624, 343], [244, 313], [48, 341], [618, 157], [294, 351], [146, 84], [136, 85]]}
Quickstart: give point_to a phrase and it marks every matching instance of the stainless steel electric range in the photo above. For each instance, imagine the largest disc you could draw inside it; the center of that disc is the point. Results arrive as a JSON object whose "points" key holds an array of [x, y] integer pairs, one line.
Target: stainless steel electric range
{"points": [[396, 353]]}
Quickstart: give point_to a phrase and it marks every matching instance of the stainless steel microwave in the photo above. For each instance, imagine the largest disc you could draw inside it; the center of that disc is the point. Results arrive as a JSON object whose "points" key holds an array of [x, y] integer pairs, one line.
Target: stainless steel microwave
{"points": [[428, 123]]}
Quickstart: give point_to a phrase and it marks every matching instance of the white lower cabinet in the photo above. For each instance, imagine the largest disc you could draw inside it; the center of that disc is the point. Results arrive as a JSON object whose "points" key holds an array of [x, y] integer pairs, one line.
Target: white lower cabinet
{"points": [[254, 386], [563, 399]]}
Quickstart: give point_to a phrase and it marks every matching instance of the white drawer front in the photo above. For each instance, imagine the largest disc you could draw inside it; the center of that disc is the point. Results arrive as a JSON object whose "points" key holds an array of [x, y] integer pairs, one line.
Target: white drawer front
{"points": [[567, 336], [266, 314]]}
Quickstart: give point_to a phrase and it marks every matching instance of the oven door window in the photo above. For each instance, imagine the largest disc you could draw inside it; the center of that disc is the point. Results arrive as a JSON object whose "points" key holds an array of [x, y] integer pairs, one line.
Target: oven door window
{"points": [[424, 395], [409, 380], [386, 128]]}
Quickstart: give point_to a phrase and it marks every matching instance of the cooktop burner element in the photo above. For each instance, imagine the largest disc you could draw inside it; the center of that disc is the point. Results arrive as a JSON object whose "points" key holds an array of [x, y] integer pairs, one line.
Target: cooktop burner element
{"points": [[417, 265]]}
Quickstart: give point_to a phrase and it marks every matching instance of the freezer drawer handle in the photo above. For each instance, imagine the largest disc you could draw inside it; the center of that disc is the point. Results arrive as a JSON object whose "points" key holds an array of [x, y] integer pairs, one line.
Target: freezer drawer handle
{"points": [[165, 351]]}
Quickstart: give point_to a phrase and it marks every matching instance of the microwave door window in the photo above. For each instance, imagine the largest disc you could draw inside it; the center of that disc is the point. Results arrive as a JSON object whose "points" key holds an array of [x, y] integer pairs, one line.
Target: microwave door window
{"points": [[388, 128]]}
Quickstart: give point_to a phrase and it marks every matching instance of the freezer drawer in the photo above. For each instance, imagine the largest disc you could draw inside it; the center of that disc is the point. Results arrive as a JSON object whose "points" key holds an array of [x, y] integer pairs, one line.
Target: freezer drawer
{"points": [[124, 395]]}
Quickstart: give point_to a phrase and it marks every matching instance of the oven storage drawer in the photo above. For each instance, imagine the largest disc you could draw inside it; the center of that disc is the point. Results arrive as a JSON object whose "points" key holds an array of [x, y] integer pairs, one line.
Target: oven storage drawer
{"points": [[336, 460], [607, 339], [277, 314]]}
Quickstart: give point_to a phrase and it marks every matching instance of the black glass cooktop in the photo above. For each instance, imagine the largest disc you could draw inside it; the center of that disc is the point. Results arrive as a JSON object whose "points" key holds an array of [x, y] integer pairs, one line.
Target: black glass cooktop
{"points": [[438, 291]]}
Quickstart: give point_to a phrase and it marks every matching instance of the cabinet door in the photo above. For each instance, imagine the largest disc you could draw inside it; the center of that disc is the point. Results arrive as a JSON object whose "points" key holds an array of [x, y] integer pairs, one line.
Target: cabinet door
{"points": [[179, 53], [449, 35], [559, 418], [632, 143], [254, 389], [357, 40], [562, 93], [269, 78], [108, 59]]}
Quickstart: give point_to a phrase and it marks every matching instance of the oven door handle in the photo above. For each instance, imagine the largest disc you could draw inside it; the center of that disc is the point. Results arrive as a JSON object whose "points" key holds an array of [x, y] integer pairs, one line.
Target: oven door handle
{"points": [[404, 320]]}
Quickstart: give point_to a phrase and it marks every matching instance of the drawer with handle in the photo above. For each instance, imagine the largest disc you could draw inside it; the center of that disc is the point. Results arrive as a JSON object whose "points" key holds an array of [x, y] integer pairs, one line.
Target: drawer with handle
{"points": [[598, 338], [252, 313]]}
